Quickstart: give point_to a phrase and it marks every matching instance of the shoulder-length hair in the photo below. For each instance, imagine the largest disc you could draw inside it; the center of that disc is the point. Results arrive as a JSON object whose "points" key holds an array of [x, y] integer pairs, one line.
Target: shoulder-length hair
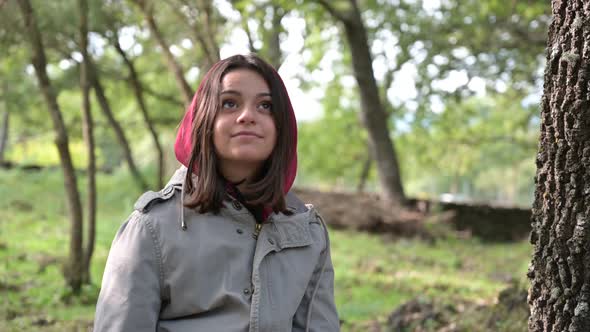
{"points": [[207, 191]]}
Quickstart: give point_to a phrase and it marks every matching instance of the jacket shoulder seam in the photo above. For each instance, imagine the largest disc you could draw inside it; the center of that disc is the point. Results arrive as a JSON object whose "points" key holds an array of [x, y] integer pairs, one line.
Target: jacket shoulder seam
{"points": [[150, 198]]}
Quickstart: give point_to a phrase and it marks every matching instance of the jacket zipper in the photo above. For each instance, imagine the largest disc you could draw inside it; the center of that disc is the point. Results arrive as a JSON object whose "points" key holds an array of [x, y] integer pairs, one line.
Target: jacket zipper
{"points": [[257, 230]]}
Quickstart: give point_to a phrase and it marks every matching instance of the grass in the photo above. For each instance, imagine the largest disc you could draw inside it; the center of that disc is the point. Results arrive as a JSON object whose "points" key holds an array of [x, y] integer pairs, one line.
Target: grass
{"points": [[374, 274]]}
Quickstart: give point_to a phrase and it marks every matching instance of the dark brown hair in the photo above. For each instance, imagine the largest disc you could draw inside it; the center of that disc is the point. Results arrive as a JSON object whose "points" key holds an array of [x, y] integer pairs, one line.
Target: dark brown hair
{"points": [[207, 191]]}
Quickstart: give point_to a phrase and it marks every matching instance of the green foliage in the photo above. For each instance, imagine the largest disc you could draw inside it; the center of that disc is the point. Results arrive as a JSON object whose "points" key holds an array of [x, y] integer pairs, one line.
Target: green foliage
{"points": [[338, 132], [484, 147]]}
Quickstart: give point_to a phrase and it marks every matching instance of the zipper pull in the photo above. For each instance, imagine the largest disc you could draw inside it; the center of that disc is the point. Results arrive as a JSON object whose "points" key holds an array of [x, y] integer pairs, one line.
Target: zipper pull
{"points": [[257, 230]]}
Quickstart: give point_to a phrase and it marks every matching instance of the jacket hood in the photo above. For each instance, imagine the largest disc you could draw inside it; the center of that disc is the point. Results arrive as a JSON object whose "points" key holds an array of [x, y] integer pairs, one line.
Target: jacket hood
{"points": [[183, 145]]}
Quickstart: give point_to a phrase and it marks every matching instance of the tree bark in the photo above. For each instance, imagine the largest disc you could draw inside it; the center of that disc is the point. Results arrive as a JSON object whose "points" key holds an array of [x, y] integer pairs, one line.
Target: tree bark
{"points": [[73, 270], [559, 296], [173, 65], [138, 92], [4, 134], [119, 133], [88, 133], [373, 114]]}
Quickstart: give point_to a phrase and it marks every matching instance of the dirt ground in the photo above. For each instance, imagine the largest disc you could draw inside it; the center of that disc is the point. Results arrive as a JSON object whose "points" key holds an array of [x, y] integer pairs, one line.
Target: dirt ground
{"points": [[366, 212]]}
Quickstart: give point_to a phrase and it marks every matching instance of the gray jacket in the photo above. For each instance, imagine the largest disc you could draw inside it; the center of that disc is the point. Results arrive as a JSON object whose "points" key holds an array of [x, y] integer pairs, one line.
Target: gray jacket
{"points": [[216, 275]]}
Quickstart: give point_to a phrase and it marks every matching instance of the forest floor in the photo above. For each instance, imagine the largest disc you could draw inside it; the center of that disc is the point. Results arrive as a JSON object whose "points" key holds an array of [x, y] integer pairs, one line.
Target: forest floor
{"points": [[444, 281]]}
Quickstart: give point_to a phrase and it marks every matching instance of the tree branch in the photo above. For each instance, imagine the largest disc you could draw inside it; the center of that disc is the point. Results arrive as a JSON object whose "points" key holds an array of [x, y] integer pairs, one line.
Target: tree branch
{"points": [[192, 26], [333, 11], [164, 97]]}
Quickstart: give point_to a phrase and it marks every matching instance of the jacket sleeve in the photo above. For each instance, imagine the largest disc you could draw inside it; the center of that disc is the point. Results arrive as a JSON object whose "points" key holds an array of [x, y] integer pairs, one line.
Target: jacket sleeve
{"points": [[129, 298], [317, 311]]}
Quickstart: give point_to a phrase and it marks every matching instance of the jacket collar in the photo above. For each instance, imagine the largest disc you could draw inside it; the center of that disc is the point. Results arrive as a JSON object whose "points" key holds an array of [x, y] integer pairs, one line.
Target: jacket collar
{"points": [[177, 178], [293, 230], [293, 202]]}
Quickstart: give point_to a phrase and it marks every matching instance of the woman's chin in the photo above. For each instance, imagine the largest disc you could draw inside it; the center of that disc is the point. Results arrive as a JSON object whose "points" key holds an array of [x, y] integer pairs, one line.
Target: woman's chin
{"points": [[249, 156]]}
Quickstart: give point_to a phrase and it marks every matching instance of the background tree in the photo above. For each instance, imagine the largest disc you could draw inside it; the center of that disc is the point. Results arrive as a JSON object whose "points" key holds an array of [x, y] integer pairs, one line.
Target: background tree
{"points": [[204, 24], [261, 21], [4, 131], [372, 111], [74, 268], [147, 8], [88, 133], [560, 280], [106, 108], [138, 91]]}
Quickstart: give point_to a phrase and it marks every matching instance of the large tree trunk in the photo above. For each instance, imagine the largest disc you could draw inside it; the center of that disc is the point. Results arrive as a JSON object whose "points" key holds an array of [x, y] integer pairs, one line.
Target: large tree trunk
{"points": [[373, 114], [87, 128], [138, 91], [173, 65], [4, 134], [559, 296], [119, 133], [73, 270]]}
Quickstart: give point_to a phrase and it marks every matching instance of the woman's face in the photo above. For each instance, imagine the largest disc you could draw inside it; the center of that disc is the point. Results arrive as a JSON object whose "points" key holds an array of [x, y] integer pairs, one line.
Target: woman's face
{"points": [[244, 132]]}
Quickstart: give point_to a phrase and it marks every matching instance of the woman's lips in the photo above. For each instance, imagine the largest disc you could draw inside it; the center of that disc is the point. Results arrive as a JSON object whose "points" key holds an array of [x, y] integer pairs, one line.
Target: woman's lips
{"points": [[246, 134]]}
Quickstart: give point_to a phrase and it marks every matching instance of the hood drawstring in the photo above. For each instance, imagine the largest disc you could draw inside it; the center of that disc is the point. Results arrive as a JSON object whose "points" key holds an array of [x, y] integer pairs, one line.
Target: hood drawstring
{"points": [[182, 222]]}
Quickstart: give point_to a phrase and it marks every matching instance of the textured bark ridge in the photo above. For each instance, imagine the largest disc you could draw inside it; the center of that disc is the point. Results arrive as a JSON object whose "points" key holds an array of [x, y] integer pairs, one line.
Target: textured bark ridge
{"points": [[559, 296]]}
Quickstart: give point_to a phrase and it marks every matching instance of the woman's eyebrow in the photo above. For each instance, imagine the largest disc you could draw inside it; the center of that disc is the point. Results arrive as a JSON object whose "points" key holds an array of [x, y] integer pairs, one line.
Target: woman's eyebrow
{"points": [[234, 92]]}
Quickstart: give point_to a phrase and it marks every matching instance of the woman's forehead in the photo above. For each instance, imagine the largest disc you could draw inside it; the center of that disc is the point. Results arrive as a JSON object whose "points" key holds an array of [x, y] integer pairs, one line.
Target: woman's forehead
{"points": [[244, 80]]}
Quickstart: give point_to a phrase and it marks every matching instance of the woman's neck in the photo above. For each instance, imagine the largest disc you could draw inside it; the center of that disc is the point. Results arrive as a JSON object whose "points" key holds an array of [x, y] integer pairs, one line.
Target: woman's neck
{"points": [[238, 174]]}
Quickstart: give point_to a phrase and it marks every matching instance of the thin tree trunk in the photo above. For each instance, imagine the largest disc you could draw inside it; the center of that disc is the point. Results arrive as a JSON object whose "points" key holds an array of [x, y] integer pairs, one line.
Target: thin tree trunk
{"points": [[138, 91], [87, 128], [73, 270], [389, 113], [4, 134], [364, 174], [373, 114], [246, 29], [559, 296], [119, 133], [275, 56], [207, 10], [173, 65]]}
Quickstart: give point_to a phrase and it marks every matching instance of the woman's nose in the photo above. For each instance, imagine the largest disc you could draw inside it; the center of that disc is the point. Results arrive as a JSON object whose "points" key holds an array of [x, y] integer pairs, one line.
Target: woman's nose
{"points": [[247, 114]]}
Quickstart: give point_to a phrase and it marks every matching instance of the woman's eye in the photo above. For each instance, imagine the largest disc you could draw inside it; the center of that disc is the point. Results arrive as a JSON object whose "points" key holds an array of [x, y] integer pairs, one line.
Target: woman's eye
{"points": [[266, 106], [228, 104]]}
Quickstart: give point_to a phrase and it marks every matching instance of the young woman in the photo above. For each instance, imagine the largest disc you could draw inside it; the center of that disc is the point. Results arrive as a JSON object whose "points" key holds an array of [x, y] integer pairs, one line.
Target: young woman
{"points": [[225, 246]]}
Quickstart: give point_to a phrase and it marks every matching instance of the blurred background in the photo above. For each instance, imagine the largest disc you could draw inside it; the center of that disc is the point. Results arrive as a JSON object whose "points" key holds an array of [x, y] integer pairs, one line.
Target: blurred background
{"points": [[418, 128]]}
